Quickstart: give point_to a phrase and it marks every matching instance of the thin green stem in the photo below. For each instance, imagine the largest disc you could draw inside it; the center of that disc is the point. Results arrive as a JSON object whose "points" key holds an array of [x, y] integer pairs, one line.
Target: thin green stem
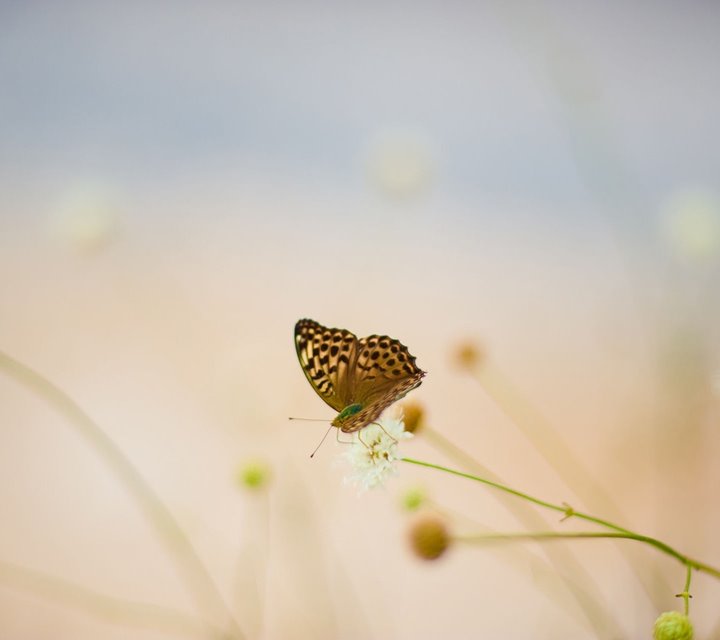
{"points": [[685, 595], [555, 450], [566, 509], [589, 598], [490, 483], [199, 582], [619, 532], [550, 535], [450, 449]]}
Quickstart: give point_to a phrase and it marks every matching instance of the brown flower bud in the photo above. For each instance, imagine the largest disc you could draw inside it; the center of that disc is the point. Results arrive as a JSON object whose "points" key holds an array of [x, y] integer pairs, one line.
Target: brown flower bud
{"points": [[413, 414], [468, 355], [429, 538]]}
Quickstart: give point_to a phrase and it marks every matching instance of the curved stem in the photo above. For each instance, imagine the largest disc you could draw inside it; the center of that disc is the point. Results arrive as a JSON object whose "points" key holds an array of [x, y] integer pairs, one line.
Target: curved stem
{"points": [[197, 577], [550, 535], [619, 532], [118, 611], [562, 560]]}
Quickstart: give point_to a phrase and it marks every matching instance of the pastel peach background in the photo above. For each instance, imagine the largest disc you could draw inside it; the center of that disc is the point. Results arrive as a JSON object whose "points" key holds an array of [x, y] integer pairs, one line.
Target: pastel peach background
{"points": [[182, 181]]}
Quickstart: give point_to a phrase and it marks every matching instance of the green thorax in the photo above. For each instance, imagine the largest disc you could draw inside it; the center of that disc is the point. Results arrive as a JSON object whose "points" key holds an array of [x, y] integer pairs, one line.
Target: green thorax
{"points": [[346, 413]]}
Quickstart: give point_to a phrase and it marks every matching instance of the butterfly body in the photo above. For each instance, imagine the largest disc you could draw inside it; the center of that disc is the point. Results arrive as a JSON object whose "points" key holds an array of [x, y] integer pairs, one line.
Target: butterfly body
{"points": [[347, 413], [359, 378]]}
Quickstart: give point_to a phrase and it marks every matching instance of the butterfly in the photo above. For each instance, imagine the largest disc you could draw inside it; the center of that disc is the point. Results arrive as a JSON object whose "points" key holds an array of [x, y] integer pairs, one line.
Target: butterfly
{"points": [[360, 378]]}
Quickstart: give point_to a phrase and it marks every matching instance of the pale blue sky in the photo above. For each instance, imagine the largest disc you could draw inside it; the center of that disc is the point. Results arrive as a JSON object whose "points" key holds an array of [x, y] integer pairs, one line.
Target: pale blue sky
{"points": [[155, 91]]}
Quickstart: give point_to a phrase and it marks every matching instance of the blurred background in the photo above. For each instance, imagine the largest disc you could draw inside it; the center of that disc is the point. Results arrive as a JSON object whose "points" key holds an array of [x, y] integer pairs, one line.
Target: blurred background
{"points": [[181, 182]]}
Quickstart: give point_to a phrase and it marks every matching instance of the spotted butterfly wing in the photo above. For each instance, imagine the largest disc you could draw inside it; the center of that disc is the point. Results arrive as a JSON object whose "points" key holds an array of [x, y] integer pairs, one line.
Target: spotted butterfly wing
{"points": [[326, 356], [357, 378]]}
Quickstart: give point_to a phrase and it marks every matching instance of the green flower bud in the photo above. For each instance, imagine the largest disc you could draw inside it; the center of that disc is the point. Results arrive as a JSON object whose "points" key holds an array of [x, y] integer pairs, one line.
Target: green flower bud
{"points": [[413, 499], [254, 474], [673, 625]]}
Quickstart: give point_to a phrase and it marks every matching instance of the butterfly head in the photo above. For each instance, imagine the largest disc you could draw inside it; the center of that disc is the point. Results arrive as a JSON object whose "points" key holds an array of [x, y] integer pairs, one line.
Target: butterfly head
{"points": [[347, 413]]}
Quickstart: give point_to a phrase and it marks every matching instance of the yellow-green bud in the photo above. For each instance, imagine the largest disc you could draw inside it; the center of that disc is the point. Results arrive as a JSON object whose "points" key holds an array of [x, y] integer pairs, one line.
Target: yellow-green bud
{"points": [[413, 499], [254, 474], [673, 625]]}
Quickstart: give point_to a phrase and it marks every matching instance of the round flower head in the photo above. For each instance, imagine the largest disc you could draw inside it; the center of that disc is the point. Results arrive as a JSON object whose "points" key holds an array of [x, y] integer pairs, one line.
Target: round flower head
{"points": [[429, 538], [673, 625], [414, 416], [468, 356], [374, 452]]}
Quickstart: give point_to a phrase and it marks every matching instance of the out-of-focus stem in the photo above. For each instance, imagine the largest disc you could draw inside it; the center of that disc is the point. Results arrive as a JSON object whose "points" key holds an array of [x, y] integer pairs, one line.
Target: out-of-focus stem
{"points": [[563, 561], [550, 444], [543, 436], [116, 610], [201, 585]]}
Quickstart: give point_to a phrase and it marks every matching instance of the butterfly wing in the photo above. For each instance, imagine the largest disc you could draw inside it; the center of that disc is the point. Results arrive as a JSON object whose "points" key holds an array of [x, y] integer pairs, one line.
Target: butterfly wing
{"points": [[382, 399], [383, 373], [326, 356]]}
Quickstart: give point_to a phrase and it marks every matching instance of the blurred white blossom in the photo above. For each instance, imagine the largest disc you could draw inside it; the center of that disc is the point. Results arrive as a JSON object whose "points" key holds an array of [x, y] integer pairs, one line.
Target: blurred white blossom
{"points": [[715, 383], [400, 163], [374, 452], [86, 218], [692, 225]]}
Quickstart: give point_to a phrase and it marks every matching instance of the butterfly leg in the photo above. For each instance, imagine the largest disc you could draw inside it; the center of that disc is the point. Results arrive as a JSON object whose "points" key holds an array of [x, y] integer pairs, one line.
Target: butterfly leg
{"points": [[365, 444], [337, 438], [395, 440]]}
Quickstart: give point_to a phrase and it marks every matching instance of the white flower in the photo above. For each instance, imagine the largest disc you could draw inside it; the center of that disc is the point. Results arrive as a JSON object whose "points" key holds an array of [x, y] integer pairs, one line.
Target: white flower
{"points": [[374, 452], [400, 163], [86, 217], [692, 225], [715, 383]]}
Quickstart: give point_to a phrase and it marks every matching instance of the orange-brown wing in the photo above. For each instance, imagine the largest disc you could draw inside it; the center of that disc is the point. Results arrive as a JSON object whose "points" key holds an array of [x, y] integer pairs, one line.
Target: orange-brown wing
{"points": [[326, 356], [384, 372], [385, 395]]}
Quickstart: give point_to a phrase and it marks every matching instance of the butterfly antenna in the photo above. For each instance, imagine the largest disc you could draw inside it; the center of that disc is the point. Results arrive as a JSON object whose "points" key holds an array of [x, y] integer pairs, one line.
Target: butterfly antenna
{"points": [[308, 419], [321, 441]]}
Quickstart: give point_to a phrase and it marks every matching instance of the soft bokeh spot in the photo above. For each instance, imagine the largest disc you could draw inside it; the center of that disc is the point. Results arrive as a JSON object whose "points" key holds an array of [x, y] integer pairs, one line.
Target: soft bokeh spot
{"points": [[254, 474], [86, 217], [414, 498], [401, 163], [692, 225], [715, 383]]}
